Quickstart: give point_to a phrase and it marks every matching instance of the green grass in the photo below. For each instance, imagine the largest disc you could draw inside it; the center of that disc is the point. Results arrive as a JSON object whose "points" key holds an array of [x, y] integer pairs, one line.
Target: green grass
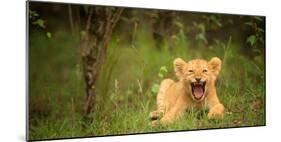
{"points": [[124, 96]]}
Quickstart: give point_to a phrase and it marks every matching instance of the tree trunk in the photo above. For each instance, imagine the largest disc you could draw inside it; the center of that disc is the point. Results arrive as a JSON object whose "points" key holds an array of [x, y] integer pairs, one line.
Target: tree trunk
{"points": [[93, 47]]}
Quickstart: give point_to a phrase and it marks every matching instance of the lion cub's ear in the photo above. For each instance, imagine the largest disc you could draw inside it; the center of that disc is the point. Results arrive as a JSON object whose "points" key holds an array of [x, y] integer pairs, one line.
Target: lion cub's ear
{"points": [[215, 65], [179, 66]]}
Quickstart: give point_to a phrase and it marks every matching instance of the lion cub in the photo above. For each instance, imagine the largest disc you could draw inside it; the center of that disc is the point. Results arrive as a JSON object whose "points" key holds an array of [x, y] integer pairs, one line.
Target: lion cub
{"points": [[195, 89]]}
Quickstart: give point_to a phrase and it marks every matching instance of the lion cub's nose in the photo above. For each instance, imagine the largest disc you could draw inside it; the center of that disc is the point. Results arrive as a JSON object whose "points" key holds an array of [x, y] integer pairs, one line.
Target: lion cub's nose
{"points": [[198, 79]]}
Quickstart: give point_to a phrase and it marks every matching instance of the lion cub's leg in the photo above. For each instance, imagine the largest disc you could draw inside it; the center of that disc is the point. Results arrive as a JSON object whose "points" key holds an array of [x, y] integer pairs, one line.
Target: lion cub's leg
{"points": [[165, 84], [216, 109], [175, 112]]}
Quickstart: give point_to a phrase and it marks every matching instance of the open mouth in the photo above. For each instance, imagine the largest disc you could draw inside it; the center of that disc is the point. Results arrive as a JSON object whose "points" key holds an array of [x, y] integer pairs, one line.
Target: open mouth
{"points": [[198, 89]]}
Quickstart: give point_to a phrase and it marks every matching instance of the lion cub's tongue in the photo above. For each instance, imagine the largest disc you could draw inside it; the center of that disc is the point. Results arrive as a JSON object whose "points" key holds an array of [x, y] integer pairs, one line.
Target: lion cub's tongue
{"points": [[198, 91]]}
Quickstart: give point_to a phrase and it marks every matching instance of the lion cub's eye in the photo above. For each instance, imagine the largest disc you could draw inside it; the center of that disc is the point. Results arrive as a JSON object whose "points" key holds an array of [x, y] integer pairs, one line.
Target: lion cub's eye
{"points": [[205, 70], [190, 71]]}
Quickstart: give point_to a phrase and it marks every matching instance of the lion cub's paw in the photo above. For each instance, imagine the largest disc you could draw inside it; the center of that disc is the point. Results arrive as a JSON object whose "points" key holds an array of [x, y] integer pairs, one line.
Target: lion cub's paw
{"points": [[154, 115], [216, 112]]}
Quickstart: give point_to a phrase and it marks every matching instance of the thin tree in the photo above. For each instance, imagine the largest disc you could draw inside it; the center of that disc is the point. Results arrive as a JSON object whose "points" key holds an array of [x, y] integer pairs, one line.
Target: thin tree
{"points": [[93, 47]]}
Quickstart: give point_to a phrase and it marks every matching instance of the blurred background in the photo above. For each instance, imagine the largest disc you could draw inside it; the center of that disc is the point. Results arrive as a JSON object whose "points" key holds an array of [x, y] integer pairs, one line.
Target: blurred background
{"points": [[139, 54]]}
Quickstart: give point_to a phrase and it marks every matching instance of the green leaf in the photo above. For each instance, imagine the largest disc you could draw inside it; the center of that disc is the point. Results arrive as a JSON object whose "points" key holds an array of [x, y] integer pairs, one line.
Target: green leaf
{"points": [[258, 18], [33, 13], [179, 24], [258, 51], [174, 37], [260, 30], [49, 35], [40, 23], [202, 37], [155, 88], [163, 69], [252, 39], [160, 75], [201, 27], [249, 23], [83, 33]]}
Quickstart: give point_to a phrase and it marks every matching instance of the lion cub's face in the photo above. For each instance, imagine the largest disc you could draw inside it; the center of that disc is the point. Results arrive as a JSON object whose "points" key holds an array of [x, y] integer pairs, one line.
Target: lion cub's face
{"points": [[197, 75]]}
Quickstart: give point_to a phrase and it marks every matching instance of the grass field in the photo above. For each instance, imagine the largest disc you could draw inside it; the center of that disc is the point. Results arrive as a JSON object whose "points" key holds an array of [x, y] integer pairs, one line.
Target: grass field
{"points": [[124, 88]]}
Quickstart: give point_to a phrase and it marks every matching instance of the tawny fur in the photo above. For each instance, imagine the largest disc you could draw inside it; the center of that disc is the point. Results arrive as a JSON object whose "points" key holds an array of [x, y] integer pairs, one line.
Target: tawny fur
{"points": [[174, 98]]}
